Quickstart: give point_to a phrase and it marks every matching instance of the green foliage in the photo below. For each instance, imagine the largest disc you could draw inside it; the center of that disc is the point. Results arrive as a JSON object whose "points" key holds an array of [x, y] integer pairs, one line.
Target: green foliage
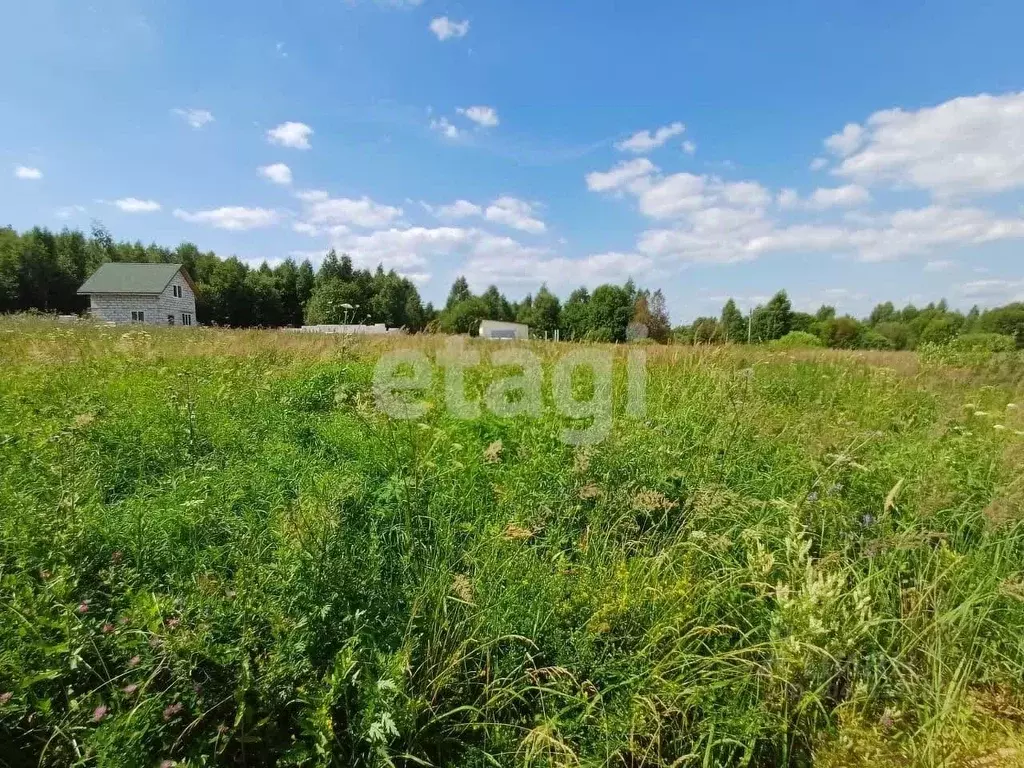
{"points": [[40, 270], [214, 550], [733, 324], [464, 316], [773, 320], [972, 349], [798, 340]]}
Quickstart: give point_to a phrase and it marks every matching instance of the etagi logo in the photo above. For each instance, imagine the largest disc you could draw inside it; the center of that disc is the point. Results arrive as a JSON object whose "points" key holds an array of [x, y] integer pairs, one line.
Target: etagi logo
{"points": [[581, 386]]}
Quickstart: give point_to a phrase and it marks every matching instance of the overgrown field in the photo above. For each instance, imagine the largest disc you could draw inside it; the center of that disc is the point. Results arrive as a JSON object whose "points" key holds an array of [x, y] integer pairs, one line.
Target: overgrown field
{"points": [[214, 549]]}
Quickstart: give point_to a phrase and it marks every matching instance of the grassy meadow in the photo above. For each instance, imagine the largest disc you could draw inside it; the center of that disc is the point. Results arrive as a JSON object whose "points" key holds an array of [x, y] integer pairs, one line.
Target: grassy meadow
{"points": [[215, 550]]}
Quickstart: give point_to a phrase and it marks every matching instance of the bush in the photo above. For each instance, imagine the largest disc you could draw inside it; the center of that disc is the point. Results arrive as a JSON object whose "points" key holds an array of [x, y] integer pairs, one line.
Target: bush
{"points": [[872, 339], [971, 349], [992, 342], [797, 340]]}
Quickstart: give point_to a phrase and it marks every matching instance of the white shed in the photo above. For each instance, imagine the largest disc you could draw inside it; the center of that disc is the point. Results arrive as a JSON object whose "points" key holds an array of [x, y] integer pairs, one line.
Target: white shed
{"points": [[495, 329]]}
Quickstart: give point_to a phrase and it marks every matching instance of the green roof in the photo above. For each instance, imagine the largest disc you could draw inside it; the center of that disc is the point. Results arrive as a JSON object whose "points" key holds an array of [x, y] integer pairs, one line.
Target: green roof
{"points": [[120, 277]]}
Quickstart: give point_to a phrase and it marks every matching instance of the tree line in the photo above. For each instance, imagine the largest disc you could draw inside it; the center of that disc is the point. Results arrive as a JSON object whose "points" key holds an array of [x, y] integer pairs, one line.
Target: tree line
{"points": [[42, 270], [612, 313], [885, 328]]}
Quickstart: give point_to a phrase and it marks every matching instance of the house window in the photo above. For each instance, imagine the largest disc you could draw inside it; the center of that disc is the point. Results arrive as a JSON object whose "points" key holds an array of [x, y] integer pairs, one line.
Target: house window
{"points": [[170, 319], [176, 291], [138, 317], [186, 318]]}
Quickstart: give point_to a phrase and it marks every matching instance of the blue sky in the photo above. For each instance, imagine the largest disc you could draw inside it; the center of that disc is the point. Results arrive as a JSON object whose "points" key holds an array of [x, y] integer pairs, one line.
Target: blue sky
{"points": [[850, 153]]}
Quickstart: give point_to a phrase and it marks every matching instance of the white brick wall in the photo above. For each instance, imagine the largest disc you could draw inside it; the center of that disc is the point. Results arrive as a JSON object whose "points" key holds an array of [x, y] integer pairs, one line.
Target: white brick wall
{"points": [[118, 307]]}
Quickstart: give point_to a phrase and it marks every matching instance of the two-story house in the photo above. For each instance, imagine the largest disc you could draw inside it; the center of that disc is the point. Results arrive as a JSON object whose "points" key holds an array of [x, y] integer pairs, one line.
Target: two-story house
{"points": [[154, 294]]}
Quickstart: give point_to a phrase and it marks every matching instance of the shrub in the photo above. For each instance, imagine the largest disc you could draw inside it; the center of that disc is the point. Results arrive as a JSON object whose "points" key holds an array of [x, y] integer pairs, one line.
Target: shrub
{"points": [[971, 349], [797, 340], [872, 339]]}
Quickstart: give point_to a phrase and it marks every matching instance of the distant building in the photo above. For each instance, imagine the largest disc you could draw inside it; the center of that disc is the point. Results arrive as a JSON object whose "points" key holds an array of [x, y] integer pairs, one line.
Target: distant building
{"points": [[151, 294], [495, 329]]}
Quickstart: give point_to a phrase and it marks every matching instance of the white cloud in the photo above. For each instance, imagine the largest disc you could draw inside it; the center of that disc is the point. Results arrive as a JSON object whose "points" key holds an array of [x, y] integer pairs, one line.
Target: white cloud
{"points": [[507, 263], [847, 141], [995, 291], [847, 196], [234, 218], [645, 141], [290, 134], [621, 175], [67, 211], [939, 265], [515, 213], [683, 193], [485, 117], [818, 163], [325, 211], [460, 209], [727, 235], [311, 195], [689, 147], [446, 29], [279, 173], [196, 118], [30, 174], [788, 198], [445, 128], [134, 205], [968, 145], [305, 228], [823, 198]]}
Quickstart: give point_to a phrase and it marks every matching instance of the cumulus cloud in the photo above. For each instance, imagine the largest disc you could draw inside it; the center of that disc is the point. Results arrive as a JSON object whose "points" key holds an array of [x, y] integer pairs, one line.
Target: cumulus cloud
{"points": [[818, 163], [509, 211], [645, 141], [443, 126], [279, 173], [681, 194], [689, 147], [196, 118], [728, 236], [290, 134], [134, 205], [67, 211], [515, 213], [485, 117], [460, 209], [846, 141], [322, 210], [621, 175], [445, 28], [233, 217], [968, 145], [508, 263], [29, 174], [939, 265], [996, 291], [823, 198]]}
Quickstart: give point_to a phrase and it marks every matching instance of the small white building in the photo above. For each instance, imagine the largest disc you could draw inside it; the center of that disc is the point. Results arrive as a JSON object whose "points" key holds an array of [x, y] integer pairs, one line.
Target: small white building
{"points": [[152, 294], [495, 329]]}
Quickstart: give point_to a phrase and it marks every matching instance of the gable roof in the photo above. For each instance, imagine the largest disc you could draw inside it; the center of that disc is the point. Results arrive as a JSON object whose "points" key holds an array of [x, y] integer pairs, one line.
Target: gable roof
{"points": [[124, 277]]}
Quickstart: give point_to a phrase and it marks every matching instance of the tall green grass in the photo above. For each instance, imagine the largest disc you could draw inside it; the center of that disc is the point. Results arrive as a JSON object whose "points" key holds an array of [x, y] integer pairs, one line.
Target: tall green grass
{"points": [[214, 550]]}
